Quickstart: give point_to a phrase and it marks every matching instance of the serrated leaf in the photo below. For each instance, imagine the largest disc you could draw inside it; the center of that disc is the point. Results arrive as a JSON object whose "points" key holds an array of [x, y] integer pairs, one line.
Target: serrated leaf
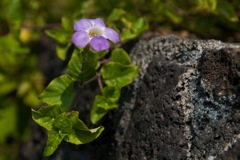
{"points": [[121, 56], [54, 139], [83, 65], [60, 92], [118, 75], [45, 116]]}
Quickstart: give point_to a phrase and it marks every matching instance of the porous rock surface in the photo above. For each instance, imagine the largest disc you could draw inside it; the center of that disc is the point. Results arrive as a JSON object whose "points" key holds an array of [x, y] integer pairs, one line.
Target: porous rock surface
{"points": [[185, 103]]}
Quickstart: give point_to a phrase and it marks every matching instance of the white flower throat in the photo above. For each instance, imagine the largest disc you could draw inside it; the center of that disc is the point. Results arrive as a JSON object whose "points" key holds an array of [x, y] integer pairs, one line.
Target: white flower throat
{"points": [[95, 31]]}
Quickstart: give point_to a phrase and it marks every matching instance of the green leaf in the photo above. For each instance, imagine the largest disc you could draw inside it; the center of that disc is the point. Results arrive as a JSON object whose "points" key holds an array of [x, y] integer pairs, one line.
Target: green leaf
{"points": [[67, 24], [62, 51], [128, 34], [14, 48], [83, 65], [59, 92], [59, 35], [76, 122], [54, 139], [7, 85], [139, 26], [64, 126], [115, 15], [119, 55], [98, 112], [102, 104], [112, 94], [102, 54], [62, 123], [173, 15], [226, 9], [8, 121], [209, 5], [45, 116], [118, 75], [80, 134]]}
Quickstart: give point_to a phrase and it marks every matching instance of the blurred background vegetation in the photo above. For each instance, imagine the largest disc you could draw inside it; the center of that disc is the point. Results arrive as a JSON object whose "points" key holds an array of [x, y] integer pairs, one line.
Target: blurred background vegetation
{"points": [[25, 25]]}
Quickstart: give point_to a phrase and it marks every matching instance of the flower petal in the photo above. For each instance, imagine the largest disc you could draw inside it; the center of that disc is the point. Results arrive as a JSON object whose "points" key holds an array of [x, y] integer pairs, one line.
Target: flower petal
{"points": [[98, 22], [111, 34], [82, 24], [80, 39], [99, 43]]}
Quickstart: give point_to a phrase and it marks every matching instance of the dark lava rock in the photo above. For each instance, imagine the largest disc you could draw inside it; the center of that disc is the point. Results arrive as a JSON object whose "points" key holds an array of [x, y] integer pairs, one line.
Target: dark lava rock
{"points": [[185, 103]]}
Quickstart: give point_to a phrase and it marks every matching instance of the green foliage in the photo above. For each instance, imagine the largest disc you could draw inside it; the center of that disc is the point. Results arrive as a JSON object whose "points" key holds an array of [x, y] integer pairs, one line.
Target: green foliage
{"points": [[83, 65], [63, 126], [132, 27], [104, 103], [120, 56], [59, 92], [116, 75], [82, 68], [62, 37]]}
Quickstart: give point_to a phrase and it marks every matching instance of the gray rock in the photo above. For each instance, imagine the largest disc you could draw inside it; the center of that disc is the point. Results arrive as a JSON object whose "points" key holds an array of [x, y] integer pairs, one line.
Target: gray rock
{"points": [[185, 103]]}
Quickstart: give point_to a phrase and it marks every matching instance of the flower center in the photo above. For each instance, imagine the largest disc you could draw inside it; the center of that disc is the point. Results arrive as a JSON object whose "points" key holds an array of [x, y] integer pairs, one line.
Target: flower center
{"points": [[95, 31]]}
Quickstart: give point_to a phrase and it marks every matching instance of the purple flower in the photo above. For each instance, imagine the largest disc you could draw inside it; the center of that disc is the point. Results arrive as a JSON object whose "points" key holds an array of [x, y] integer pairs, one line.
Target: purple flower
{"points": [[95, 32]]}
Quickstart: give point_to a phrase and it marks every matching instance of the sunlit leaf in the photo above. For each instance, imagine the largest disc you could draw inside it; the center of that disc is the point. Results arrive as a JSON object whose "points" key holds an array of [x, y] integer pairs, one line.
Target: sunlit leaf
{"points": [[7, 86], [115, 15], [62, 50], [59, 92], [62, 123], [83, 65], [118, 75], [209, 5], [45, 116], [8, 122], [54, 139]]}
